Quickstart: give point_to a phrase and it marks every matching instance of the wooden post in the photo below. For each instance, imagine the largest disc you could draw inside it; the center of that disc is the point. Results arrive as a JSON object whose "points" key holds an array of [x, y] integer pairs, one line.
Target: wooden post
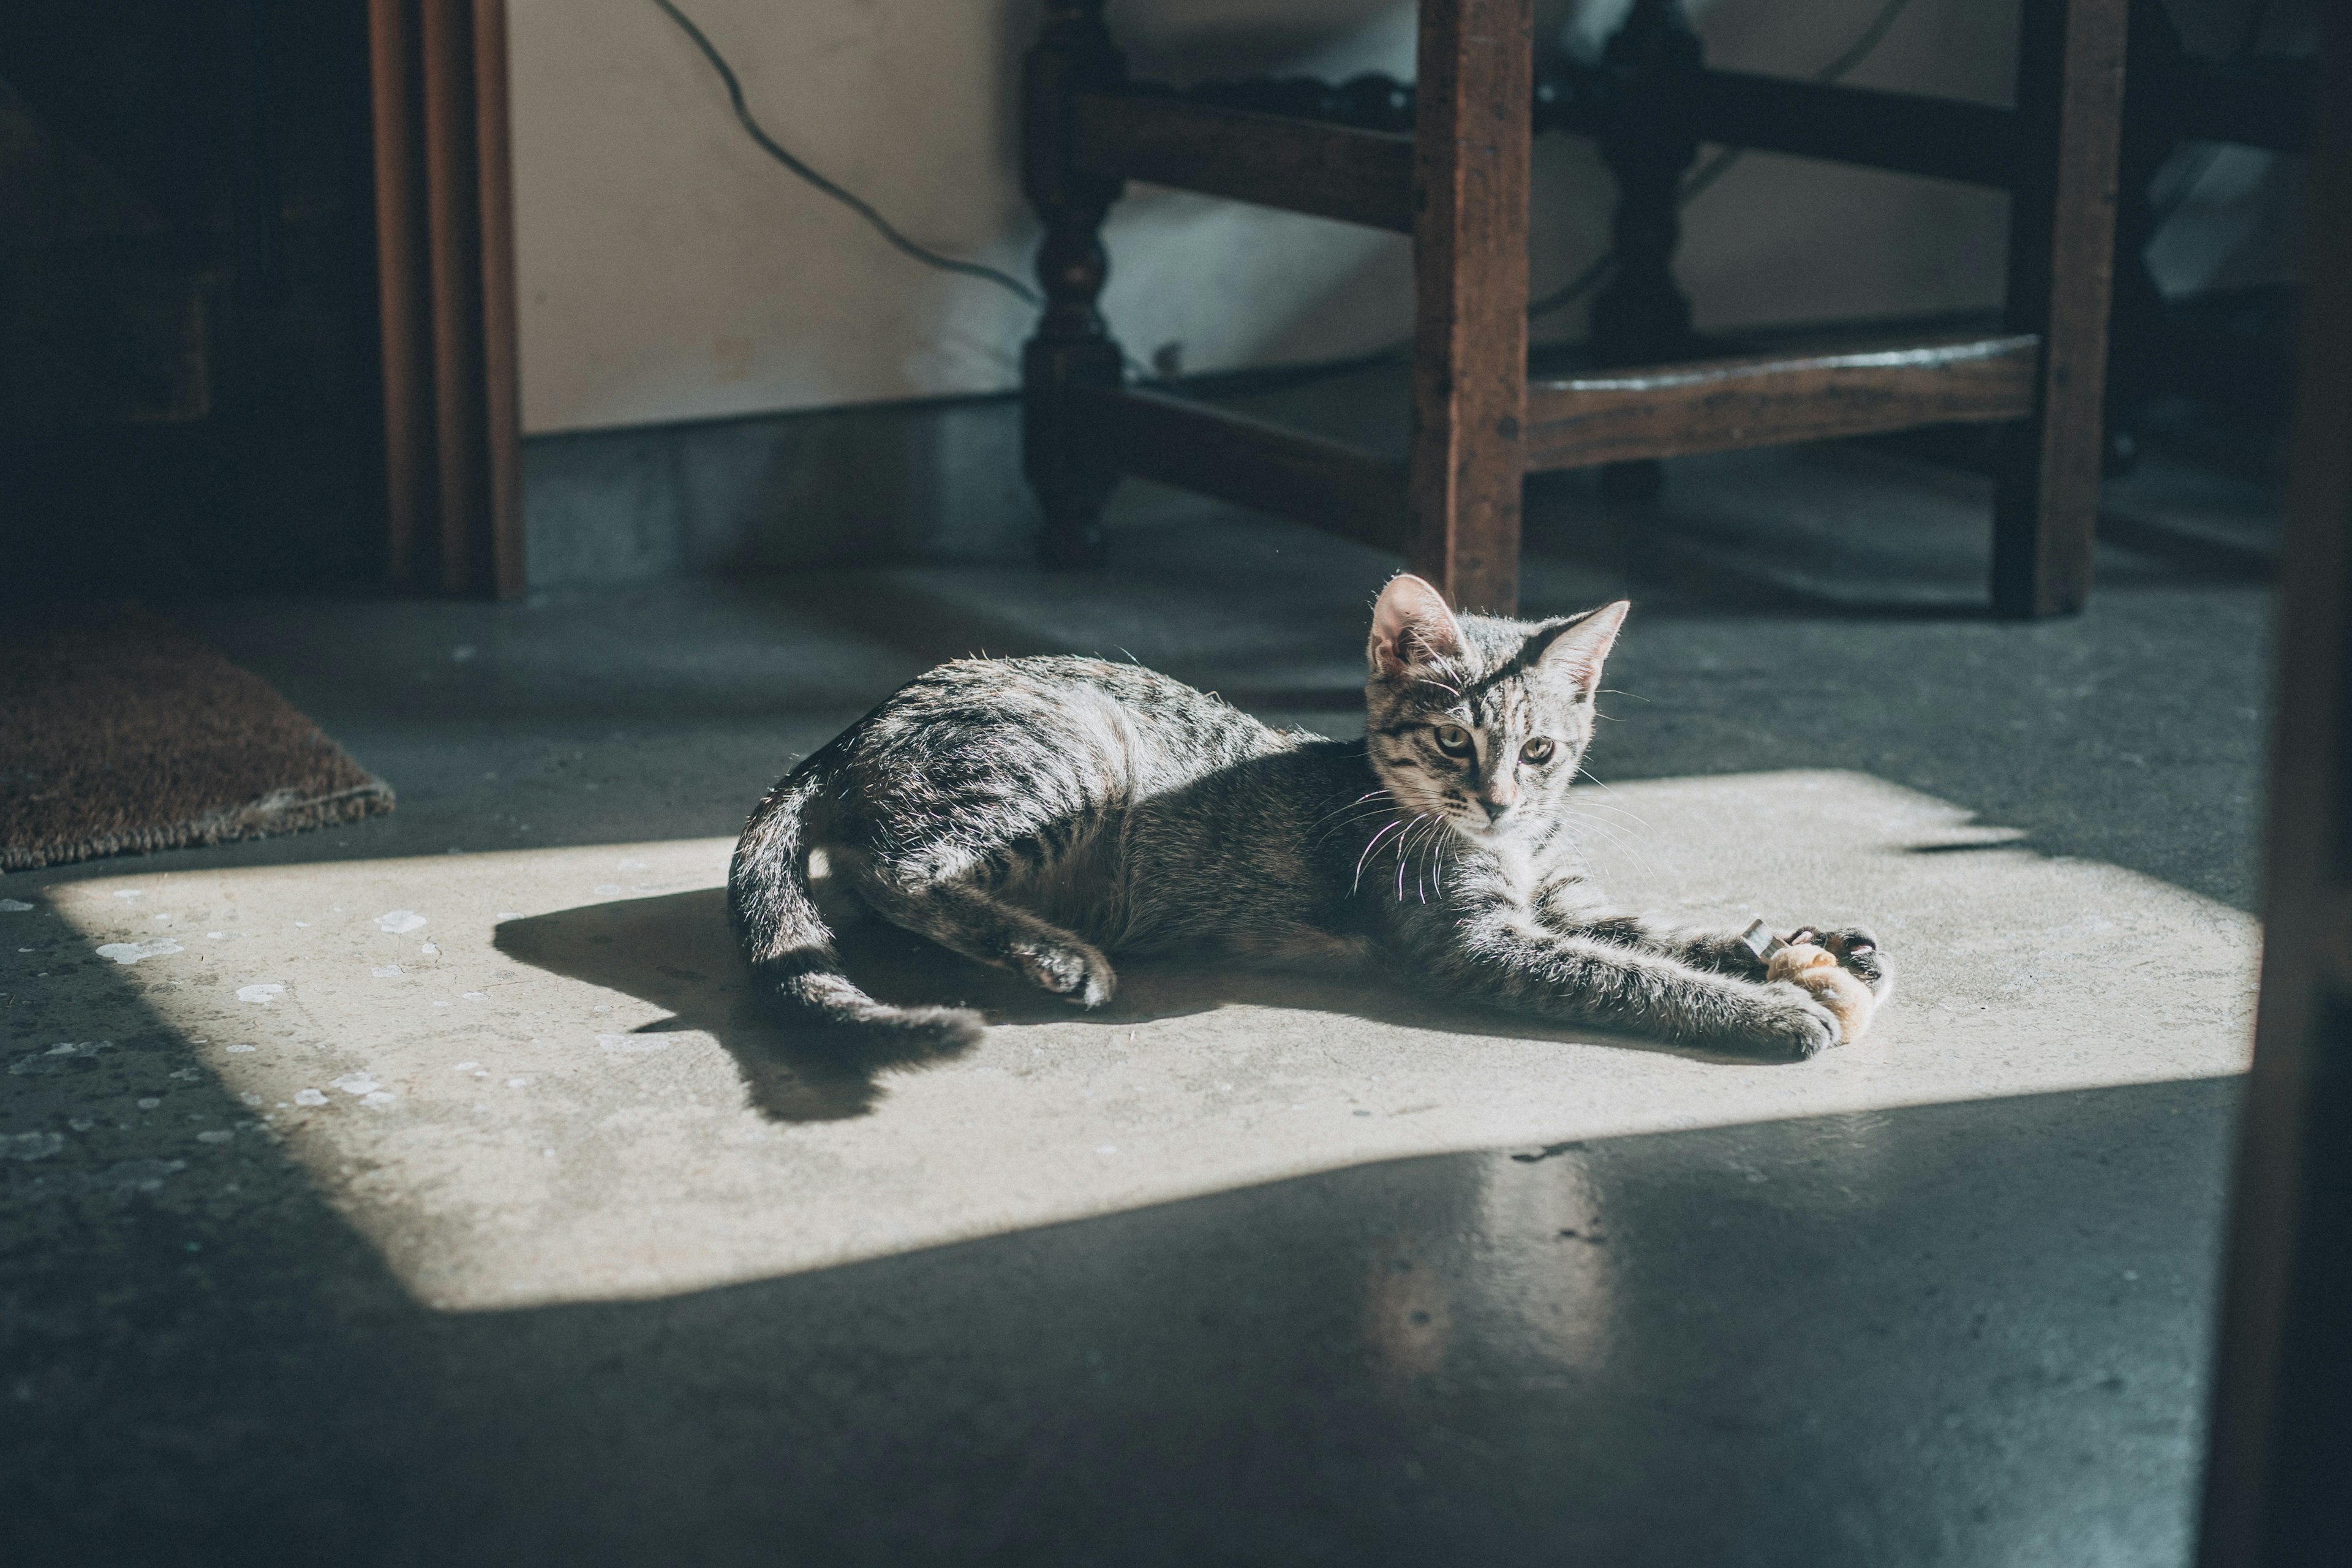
{"points": [[501, 350], [1474, 122], [1073, 346], [2070, 85], [453, 248], [2278, 1479], [445, 250], [403, 306]]}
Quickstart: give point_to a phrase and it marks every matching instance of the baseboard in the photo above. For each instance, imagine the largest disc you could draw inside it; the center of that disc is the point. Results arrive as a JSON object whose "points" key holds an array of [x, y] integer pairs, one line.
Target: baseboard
{"points": [[935, 480]]}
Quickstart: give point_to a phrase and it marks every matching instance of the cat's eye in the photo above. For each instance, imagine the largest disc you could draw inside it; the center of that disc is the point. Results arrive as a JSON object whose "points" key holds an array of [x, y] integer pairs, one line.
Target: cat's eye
{"points": [[1454, 739], [1538, 751]]}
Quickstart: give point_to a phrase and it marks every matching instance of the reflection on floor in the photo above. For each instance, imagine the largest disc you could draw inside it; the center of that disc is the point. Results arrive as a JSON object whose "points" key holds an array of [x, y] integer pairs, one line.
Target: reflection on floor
{"points": [[505, 1237]]}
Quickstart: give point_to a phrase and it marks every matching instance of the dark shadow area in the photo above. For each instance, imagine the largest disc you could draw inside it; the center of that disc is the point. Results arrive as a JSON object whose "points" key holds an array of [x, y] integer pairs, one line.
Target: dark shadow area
{"points": [[677, 952], [188, 351], [1972, 1333]]}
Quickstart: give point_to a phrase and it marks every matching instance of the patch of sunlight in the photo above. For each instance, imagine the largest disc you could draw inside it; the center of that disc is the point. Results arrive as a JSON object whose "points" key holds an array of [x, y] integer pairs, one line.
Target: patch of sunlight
{"points": [[539, 1077]]}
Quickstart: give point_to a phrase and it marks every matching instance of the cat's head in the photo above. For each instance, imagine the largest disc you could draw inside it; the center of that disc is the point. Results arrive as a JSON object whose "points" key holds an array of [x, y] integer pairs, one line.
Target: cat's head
{"points": [[1480, 721]]}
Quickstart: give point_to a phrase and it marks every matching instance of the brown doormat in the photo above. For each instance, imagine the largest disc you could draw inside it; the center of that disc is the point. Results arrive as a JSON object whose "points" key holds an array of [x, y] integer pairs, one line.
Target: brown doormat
{"points": [[120, 734]]}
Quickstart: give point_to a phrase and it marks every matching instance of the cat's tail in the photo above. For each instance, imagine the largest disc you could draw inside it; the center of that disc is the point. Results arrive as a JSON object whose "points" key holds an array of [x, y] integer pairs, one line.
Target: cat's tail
{"points": [[783, 934]]}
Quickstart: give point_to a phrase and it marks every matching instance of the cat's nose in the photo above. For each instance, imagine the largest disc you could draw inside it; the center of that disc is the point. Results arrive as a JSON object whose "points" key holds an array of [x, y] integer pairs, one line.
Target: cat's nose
{"points": [[1496, 809]]}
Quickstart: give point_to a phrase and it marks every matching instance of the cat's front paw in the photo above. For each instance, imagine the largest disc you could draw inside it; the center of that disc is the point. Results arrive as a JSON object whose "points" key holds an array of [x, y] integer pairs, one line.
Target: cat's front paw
{"points": [[1791, 1025], [1845, 994], [1074, 970], [1861, 954], [1856, 951]]}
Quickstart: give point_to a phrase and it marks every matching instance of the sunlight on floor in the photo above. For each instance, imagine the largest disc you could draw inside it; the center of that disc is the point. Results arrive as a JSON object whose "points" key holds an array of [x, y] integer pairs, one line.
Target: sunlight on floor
{"points": [[538, 1076]]}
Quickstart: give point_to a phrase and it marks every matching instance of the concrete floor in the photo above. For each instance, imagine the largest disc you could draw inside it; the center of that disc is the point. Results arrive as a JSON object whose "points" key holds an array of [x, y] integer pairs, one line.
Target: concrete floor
{"points": [[1244, 1271]]}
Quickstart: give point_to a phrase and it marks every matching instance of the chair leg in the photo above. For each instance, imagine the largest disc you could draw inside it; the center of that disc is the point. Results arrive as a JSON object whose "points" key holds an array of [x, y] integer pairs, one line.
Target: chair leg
{"points": [[2061, 248], [1642, 317], [1073, 346], [1474, 114]]}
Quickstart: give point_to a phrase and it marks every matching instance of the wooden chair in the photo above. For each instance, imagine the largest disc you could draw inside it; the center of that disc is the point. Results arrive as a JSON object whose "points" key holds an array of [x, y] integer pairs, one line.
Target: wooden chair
{"points": [[1457, 182], [2248, 98]]}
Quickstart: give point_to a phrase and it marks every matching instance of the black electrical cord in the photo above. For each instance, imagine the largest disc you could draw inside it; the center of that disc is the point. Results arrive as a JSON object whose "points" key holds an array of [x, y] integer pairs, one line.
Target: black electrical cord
{"points": [[1583, 283], [850, 199]]}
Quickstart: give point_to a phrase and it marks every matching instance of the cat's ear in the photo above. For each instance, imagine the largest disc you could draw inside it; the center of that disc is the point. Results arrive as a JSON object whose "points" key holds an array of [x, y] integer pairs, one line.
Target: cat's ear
{"points": [[1411, 624], [1578, 649]]}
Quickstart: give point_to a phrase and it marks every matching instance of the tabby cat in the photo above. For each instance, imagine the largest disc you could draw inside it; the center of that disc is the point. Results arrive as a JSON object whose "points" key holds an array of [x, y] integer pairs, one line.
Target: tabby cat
{"points": [[1039, 814]]}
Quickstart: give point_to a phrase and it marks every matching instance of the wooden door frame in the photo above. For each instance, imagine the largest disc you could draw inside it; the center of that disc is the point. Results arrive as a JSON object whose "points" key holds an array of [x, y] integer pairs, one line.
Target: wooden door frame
{"points": [[445, 282], [2278, 1485]]}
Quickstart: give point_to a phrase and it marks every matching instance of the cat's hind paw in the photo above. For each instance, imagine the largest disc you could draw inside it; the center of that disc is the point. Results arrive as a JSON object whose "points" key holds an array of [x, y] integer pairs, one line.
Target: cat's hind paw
{"points": [[1074, 970]]}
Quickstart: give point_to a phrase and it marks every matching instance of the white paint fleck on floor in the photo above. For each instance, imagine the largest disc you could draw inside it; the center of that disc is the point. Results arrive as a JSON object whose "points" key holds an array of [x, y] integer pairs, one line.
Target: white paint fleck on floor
{"points": [[134, 951]]}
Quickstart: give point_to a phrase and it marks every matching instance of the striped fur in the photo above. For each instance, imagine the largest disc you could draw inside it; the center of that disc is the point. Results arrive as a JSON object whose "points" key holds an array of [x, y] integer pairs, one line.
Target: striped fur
{"points": [[1043, 813]]}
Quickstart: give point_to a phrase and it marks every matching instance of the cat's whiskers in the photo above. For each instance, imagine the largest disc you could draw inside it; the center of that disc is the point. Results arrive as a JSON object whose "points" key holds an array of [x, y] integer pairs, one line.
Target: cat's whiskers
{"points": [[1616, 832], [1368, 795], [1354, 811], [1625, 830], [1405, 852], [1633, 816], [1435, 846], [1369, 846], [1370, 815], [1622, 842]]}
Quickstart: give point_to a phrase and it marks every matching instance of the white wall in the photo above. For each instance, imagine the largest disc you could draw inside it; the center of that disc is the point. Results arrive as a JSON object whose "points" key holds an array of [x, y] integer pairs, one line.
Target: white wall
{"points": [[670, 271]]}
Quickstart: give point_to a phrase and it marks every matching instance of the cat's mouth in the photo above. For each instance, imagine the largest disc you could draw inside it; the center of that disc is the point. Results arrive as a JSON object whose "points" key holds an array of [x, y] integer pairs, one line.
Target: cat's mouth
{"points": [[1469, 821], [1477, 827]]}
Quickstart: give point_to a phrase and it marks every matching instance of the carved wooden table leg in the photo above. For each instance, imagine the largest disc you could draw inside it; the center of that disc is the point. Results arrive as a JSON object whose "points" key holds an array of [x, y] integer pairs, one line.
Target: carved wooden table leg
{"points": [[2061, 237], [1475, 116], [1072, 347], [1642, 317]]}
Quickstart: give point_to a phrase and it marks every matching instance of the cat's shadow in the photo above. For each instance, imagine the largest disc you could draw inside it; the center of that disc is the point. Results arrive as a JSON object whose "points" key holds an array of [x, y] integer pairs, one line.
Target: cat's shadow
{"points": [[677, 952]]}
